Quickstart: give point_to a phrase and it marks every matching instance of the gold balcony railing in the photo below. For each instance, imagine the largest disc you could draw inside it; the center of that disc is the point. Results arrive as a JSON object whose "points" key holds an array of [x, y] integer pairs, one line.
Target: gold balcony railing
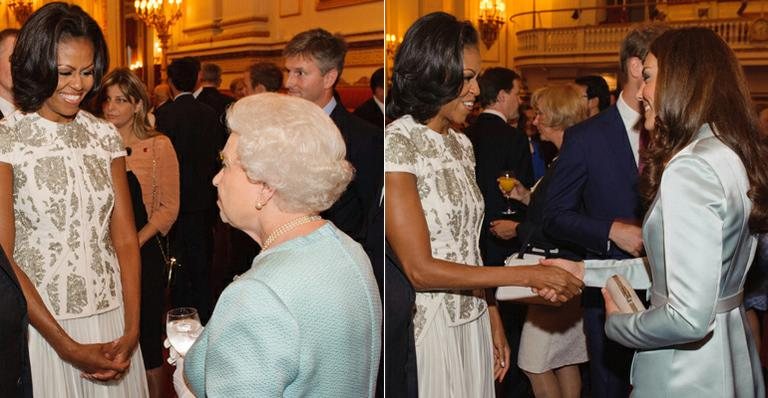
{"points": [[595, 32], [586, 41]]}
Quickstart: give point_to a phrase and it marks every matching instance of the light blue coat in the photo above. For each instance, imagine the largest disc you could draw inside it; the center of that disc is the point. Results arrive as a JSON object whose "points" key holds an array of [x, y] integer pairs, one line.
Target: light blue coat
{"points": [[693, 341], [304, 321]]}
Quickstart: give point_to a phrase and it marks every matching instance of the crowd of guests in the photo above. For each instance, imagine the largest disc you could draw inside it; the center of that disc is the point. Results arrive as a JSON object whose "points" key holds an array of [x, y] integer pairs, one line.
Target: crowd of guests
{"points": [[104, 186], [106, 210], [663, 184]]}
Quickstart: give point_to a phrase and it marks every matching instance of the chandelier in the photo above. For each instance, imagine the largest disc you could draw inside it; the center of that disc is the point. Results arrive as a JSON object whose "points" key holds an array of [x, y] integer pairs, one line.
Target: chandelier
{"points": [[392, 41], [21, 9], [491, 20], [152, 13]]}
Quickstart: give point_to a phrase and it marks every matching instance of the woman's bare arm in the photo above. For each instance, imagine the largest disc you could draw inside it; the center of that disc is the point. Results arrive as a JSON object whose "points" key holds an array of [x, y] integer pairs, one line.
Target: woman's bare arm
{"points": [[407, 233]]}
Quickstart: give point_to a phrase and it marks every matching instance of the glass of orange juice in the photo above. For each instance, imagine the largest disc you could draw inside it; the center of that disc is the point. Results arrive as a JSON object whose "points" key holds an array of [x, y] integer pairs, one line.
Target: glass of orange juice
{"points": [[507, 183]]}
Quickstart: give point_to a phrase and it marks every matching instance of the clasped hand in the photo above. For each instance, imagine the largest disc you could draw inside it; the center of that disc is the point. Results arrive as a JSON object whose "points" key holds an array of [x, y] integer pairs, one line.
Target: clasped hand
{"points": [[104, 361], [558, 280]]}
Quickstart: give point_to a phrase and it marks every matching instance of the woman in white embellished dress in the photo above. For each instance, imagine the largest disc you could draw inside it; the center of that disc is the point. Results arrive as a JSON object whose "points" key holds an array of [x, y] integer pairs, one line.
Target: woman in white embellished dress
{"points": [[434, 210], [66, 214]]}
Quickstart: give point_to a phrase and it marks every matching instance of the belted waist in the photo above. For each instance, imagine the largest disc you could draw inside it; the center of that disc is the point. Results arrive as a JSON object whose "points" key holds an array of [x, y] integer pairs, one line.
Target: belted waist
{"points": [[724, 304]]}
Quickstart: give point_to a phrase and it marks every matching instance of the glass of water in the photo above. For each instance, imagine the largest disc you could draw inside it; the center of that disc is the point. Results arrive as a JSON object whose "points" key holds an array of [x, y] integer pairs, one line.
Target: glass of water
{"points": [[183, 327]]}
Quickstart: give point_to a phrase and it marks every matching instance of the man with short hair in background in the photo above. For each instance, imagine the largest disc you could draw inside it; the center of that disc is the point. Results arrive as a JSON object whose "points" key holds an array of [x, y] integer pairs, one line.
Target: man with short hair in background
{"points": [[372, 110], [314, 60], [596, 93], [209, 94], [193, 129], [262, 77]]}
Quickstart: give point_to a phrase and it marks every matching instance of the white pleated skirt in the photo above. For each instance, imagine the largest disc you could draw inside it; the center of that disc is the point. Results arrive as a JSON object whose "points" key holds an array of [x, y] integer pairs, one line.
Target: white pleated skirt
{"points": [[456, 361], [52, 377]]}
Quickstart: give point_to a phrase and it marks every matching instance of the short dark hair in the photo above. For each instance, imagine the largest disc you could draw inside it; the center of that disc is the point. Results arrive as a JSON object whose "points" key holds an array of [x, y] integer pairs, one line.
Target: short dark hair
{"points": [[34, 67], [211, 73], [597, 87], [494, 80], [183, 72], [429, 66], [636, 44], [326, 49], [377, 79], [267, 74]]}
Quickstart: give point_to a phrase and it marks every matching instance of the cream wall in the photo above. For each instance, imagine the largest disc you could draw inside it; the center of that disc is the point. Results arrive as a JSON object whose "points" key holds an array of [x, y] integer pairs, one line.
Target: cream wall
{"points": [[235, 34]]}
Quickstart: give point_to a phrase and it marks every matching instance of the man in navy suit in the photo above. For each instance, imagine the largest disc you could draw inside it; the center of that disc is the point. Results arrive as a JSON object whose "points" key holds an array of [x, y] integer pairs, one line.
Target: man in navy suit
{"points": [[593, 203]]}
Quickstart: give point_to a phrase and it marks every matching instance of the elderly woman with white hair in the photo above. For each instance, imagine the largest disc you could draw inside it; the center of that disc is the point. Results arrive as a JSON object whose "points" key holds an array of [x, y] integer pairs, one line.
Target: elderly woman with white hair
{"points": [[305, 320]]}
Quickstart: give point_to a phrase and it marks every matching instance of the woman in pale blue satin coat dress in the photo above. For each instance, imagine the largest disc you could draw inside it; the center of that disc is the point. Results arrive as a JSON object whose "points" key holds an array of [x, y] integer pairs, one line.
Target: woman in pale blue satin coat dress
{"points": [[707, 185]]}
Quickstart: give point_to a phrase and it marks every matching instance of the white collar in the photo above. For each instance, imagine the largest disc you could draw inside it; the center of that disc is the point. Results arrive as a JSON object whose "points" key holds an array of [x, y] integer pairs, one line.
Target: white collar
{"points": [[379, 103], [180, 94], [328, 108], [630, 117], [495, 112]]}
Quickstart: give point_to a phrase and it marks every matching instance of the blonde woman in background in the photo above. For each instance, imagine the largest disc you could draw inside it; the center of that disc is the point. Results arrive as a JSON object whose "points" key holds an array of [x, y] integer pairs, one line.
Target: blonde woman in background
{"points": [[552, 343]]}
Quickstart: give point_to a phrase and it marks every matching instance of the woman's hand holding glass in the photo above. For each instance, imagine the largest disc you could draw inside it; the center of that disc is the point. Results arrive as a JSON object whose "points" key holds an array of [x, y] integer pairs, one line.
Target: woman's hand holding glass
{"points": [[512, 189], [507, 184], [182, 328]]}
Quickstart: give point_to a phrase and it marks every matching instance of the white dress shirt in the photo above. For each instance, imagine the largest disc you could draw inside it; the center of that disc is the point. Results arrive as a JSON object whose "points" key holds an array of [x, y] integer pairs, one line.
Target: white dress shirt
{"points": [[630, 117]]}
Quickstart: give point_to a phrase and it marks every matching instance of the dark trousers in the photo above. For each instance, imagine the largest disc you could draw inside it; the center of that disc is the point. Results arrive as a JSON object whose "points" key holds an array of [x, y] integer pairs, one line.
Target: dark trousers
{"points": [[192, 246], [400, 374], [609, 362]]}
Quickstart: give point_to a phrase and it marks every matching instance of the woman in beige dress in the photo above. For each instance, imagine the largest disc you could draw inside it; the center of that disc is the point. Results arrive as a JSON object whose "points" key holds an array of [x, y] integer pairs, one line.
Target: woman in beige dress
{"points": [[552, 343], [152, 160]]}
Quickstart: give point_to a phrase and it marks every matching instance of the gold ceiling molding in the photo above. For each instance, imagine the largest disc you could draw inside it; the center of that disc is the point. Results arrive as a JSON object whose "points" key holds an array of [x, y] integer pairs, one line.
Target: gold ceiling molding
{"points": [[224, 37], [328, 4], [218, 25], [367, 57]]}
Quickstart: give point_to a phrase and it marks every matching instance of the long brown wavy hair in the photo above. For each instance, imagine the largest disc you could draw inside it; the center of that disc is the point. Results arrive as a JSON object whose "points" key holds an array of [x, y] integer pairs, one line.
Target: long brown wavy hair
{"points": [[699, 81]]}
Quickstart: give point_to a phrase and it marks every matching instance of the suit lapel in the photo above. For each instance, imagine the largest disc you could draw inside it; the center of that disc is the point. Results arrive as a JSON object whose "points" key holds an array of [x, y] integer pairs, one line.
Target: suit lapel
{"points": [[618, 142]]}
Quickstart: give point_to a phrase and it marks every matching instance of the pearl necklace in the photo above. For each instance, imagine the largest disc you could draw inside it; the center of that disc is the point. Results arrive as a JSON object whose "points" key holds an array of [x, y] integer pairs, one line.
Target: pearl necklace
{"points": [[290, 225]]}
